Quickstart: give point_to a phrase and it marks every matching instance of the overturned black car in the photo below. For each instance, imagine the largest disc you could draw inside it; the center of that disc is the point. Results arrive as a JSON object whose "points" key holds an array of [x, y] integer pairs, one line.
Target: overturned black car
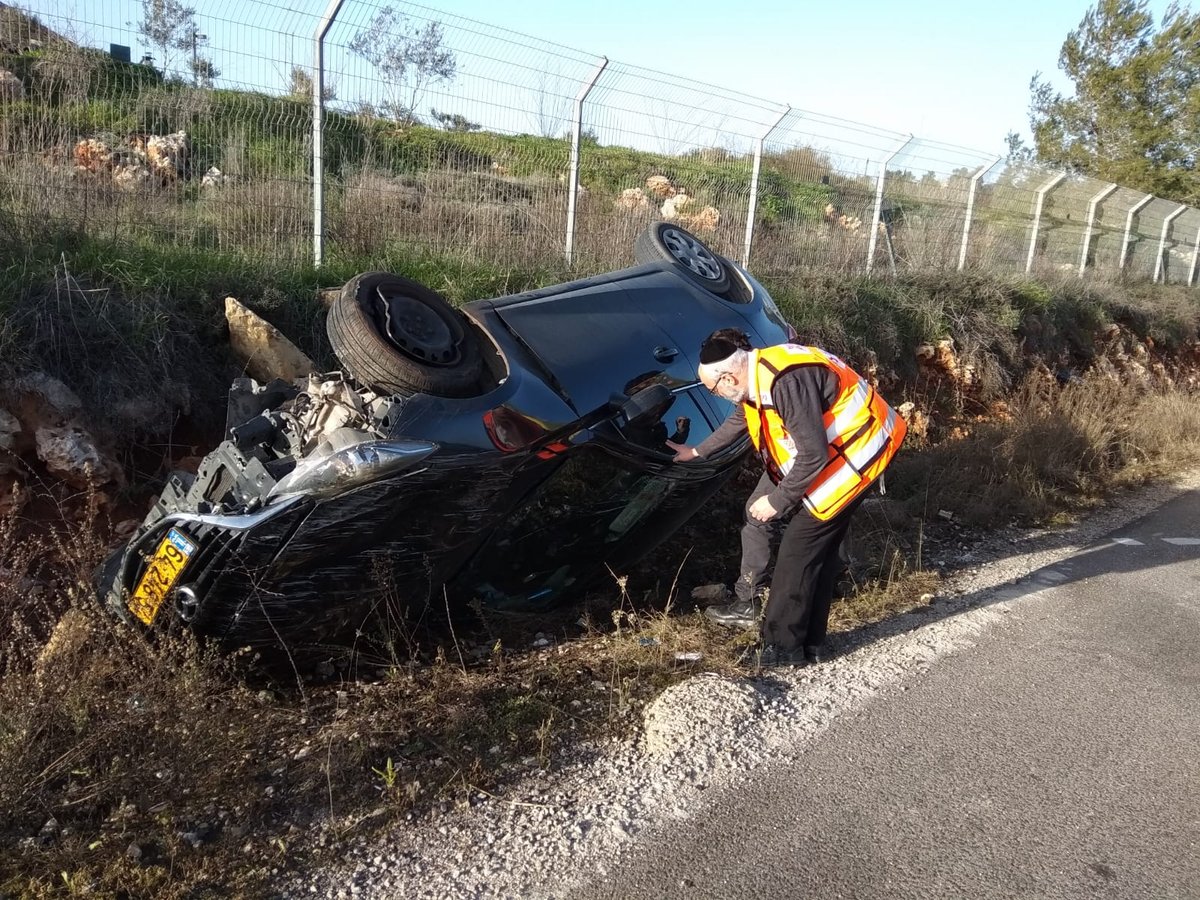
{"points": [[508, 452]]}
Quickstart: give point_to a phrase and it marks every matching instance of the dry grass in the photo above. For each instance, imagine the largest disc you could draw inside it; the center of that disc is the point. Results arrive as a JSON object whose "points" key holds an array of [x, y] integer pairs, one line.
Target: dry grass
{"points": [[144, 768], [1060, 449], [203, 771]]}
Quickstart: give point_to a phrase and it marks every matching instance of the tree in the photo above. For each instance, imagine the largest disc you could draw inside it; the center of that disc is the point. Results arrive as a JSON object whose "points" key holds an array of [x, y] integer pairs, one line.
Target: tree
{"points": [[454, 121], [300, 86], [408, 58], [203, 71], [1134, 115], [553, 103], [1018, 153], [168, 27]]}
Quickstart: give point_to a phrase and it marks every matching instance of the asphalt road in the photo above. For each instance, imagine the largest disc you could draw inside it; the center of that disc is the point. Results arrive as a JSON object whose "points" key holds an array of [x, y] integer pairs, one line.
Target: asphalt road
{"points": [[1059, 757]]}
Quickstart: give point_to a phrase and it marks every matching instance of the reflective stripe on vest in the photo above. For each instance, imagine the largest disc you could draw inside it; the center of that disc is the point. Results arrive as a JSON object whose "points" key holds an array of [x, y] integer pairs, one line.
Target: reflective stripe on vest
{"points": [[863, 432]]}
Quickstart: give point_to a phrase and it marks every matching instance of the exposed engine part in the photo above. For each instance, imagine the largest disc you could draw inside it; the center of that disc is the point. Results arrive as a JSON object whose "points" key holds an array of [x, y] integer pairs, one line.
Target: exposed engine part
{"points": [[329, 405]]}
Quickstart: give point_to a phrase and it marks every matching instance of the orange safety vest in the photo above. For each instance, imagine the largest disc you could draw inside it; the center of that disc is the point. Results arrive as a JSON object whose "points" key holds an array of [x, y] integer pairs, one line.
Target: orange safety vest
{"points": [[864, 432]]}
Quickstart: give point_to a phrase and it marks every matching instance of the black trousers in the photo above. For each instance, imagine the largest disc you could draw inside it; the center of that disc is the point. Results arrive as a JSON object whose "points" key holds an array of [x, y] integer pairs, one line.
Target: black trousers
{"points": [[806, 571], [757, 540]]}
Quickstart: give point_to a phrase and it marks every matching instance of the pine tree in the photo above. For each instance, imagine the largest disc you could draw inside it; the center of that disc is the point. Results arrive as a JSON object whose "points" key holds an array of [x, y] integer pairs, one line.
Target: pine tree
{"points": [[1134, 114]]}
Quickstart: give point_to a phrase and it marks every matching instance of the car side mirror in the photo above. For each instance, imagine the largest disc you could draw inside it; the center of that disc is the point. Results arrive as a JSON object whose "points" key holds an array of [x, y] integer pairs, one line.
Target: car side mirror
{"points": [[650, 400]]}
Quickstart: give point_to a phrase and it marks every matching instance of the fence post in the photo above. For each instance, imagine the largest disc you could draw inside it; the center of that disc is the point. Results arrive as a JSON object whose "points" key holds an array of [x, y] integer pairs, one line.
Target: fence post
{"points": [[758, 151], [1162, 241], [1087, 232], [318, 133], [573, 180], [979, 173], [1195, 258], [1037, 218], [1129, 226], [879, 201]]}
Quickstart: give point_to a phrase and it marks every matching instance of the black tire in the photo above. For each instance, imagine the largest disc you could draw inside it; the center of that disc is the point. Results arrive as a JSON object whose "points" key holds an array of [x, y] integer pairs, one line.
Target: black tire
{"points": [[400, 337], [104, 582], [739, 291], [695, 260]]}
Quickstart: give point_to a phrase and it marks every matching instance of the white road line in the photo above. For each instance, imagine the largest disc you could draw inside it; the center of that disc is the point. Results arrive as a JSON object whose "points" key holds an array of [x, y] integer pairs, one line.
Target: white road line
{"points": [[1128, 542], [1182, 542]]}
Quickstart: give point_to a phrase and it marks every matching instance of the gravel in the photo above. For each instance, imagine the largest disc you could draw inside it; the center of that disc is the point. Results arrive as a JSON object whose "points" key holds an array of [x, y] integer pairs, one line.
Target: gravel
{"points": [[552, 832]]}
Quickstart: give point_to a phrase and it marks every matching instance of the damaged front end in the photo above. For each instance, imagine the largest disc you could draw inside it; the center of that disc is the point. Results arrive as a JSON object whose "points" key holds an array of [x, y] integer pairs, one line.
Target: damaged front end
{"points": [[206, 552]]}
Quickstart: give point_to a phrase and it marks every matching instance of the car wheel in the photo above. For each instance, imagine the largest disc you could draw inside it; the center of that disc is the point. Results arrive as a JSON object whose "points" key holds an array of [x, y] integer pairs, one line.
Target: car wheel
{"points": [[104, 582], [739, 291], [400, 337], [691, 256]]}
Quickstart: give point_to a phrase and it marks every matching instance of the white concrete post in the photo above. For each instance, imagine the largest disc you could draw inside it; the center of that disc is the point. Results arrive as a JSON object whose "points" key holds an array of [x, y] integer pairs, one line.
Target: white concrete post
{"points": [[573, 179], [1195, 258], [1037, 218], [318, 132], [879, 201], [1129, 226], [1162, 239], [979, 173], [758, 151], [1091, 221]]}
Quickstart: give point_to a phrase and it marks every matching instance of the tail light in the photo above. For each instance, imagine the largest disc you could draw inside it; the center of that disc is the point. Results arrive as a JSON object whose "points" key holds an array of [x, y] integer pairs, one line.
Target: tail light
{"points": [[510, 430]]}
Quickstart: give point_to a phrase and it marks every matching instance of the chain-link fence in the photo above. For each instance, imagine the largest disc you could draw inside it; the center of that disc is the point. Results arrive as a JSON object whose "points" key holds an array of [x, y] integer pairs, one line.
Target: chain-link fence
{"points": [[439, 134]]}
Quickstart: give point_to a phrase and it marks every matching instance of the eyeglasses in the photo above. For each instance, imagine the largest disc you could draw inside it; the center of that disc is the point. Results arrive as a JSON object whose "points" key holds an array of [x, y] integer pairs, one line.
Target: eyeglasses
{"points": [[716, 384]]}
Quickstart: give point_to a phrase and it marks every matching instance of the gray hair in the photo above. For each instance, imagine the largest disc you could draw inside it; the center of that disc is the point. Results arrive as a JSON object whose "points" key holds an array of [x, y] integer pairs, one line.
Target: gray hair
{"points": [[734, 364]]}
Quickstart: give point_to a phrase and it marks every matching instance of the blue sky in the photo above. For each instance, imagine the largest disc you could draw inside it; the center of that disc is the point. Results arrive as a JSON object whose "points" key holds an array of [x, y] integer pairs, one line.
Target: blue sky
{"points": [[952, 72]]}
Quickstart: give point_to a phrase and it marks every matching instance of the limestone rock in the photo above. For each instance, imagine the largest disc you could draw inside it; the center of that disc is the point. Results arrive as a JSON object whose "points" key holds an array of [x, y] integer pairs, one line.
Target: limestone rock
{"points": [[71, 454], [9, 429], [696, 711], [263, 349], [167, 155], [93, 155], [917, 421], [710, 593], [706, 220], [214, 177], [632, 198], [40, 400], [660, 187], [675, 205], [11, 88], [131, 176]]}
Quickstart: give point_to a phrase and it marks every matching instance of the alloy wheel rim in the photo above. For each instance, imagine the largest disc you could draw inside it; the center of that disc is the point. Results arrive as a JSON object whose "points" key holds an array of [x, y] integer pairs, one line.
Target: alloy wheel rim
{"points": [[692, 254]]}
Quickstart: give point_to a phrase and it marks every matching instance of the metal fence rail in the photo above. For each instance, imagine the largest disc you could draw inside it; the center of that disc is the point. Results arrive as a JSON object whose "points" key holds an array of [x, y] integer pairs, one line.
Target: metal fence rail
{"points": [[314, 142]]}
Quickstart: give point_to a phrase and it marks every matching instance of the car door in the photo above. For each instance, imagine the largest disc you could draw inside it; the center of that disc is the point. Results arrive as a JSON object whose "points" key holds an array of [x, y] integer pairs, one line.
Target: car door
{"points": [[596, 340]]}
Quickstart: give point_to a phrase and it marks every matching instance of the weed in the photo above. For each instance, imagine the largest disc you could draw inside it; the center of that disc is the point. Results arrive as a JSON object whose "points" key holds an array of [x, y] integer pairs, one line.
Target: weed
{"points": [[387, 775]]}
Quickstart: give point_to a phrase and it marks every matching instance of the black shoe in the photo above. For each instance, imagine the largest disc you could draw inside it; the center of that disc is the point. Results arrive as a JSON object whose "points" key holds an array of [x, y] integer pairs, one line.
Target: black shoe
{"points": [[738, 614], [772, 655], [815, 654]]}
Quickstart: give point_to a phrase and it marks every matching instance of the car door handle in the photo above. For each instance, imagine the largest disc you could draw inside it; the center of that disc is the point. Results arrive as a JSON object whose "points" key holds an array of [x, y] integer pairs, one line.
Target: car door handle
{"points": [[665, 354]]}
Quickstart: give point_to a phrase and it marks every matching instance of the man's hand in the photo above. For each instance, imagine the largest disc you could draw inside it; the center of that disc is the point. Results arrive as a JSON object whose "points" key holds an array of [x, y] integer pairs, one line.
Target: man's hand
{"points": [[762, 510], [683, 453]]}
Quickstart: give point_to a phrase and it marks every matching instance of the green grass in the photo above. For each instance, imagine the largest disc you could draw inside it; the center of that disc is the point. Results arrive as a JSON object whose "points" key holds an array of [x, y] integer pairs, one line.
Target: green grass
{"points": [[136, 307]]}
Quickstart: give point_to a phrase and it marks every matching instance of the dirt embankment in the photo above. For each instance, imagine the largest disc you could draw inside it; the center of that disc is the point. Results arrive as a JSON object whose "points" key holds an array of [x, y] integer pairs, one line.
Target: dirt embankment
{"points": [[1026, 419]]}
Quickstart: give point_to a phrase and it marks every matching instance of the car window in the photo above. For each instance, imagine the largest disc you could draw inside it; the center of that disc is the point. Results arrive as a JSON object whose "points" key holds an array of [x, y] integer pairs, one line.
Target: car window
{"points": [[571, 525]]}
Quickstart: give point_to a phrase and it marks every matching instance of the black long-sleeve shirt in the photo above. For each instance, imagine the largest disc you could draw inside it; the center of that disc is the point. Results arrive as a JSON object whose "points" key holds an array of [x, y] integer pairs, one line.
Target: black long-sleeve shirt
{"points": [[801, 397]]}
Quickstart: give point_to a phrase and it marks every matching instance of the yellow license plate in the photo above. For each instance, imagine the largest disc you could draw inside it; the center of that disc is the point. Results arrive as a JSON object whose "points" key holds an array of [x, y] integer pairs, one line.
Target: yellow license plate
{"points": [[160, 575]]}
